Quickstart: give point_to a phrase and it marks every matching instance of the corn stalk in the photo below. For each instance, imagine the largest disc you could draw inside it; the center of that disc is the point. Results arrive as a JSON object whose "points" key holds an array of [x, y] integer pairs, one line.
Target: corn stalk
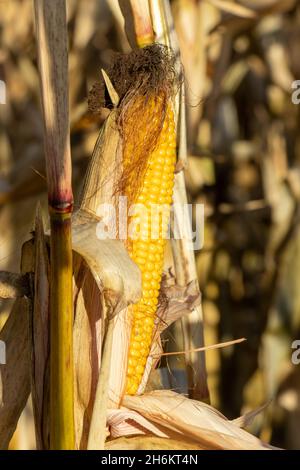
{"points": [[51, 30], [138, 25]]}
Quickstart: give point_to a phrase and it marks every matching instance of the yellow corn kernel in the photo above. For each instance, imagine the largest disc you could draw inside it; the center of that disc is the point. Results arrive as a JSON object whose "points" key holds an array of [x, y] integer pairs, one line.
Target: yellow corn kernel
{"points": [[147, 253]]}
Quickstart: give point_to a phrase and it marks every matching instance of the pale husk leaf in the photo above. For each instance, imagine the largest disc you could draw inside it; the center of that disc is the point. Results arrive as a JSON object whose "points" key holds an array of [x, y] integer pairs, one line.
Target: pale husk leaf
{"points": [[192, 419], [114, 272], [104, 170]]}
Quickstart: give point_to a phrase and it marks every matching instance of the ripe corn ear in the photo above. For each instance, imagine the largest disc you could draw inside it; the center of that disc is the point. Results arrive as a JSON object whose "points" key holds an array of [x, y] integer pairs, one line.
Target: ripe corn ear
{"points": [[147, 245]]}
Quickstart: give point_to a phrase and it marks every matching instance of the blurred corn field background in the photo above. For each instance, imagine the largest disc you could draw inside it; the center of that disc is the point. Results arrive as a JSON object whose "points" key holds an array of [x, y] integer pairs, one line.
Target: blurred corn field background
{"points": [[240, 59]]}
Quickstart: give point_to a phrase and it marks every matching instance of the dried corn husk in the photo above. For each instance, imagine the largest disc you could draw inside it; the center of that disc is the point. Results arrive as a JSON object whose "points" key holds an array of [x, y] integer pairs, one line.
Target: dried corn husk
{"points": [[178, 301], [104, 276], [176, 415]]}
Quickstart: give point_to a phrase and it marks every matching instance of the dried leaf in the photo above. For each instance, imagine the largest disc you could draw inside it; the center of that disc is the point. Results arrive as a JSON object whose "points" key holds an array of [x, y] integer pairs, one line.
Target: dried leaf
{"points": [[15, 387]]}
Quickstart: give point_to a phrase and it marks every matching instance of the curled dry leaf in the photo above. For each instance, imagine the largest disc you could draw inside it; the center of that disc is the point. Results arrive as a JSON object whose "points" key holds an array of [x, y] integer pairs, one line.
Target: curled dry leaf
{"points": [[176, 300], [125, 422]]}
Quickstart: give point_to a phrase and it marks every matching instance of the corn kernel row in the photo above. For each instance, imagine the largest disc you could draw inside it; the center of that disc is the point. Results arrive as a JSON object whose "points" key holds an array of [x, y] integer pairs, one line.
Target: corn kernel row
{"points": [[148, 251]]}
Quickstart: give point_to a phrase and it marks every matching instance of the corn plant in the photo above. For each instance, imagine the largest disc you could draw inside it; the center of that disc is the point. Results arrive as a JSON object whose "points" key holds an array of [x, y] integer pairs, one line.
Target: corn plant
{"points": [[124, 301]]}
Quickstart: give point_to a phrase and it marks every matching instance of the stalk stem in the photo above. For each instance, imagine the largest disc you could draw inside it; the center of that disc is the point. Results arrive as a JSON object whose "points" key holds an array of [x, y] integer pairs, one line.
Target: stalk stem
{"points": [[61, 333], [138, 22], [142, 22]]}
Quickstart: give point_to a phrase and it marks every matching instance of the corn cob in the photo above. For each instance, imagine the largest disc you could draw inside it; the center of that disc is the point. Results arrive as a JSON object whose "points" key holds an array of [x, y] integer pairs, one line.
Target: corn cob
{"points": [[156, 187]]}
